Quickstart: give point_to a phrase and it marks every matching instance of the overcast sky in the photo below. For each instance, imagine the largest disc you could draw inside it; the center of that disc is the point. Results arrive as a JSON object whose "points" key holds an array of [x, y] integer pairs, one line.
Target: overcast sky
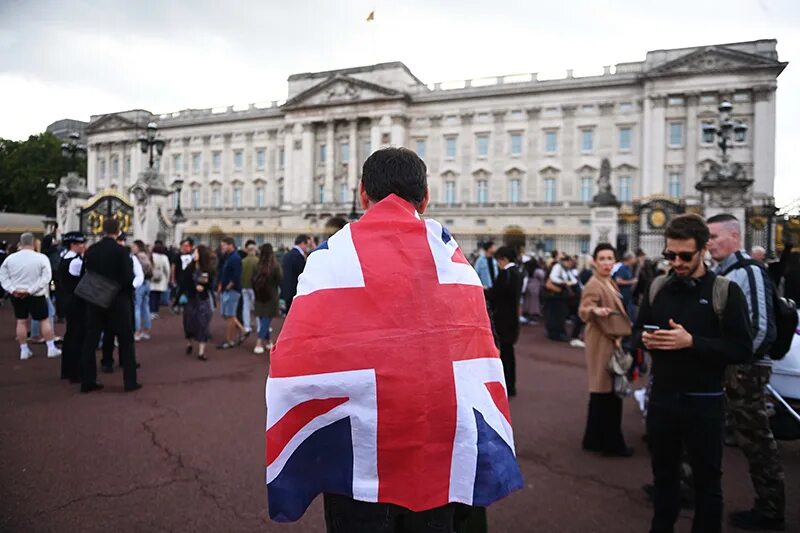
{"points": [[72, 58]]}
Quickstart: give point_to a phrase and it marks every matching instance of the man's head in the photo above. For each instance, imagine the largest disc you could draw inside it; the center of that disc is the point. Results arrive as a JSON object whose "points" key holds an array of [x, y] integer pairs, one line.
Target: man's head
{"points": [[111, 227], [75, 241], [26, 240], [187, 245], [641, 256], [725, 236], [333, 225], [488, 248], [629, 259], [394, 171], [251, 247], [227, 245], [302, 241], [758, 253], [686, 244], [504, 256]]}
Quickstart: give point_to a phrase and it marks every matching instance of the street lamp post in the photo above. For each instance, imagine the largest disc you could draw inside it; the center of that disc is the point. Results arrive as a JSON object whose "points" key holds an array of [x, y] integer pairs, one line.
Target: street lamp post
{"points": [[723, 132], [177, 216], [73, 150], [149, 142], [353, 213]]}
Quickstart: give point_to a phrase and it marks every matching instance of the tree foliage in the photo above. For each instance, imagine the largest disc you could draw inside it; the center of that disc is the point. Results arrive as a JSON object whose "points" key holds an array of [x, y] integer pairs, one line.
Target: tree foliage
{"points": [[26, 167]]}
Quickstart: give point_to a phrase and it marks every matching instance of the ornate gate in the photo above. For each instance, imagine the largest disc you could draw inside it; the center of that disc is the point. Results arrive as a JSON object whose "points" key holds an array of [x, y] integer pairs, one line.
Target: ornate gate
{"points": [[107, 204], [643, 226]]}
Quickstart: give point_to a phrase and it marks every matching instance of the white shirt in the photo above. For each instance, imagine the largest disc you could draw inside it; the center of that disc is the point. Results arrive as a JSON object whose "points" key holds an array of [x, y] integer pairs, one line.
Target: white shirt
{"points": [[138, 273], [76, 265], [27, 271], [561, 276]]}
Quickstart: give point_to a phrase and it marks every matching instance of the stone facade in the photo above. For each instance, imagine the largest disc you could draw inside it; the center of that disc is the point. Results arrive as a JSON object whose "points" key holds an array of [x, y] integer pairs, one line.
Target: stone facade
{"points": [[506, 151]]}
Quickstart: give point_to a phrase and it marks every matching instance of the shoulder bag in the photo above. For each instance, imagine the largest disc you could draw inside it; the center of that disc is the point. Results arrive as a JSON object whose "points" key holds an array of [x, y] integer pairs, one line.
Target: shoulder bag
{"points": [[97, 289]]}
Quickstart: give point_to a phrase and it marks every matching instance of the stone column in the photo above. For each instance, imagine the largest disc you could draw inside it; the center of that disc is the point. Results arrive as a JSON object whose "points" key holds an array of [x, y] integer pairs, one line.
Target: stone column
{"points": [[692, 132], [654, 125], [306, 170], [398, 131], [151, 202], [762, 134], [288, 164], [91, 167], [375, 134], [604, 225], [70, 197], [352, 164], [330, 161]]}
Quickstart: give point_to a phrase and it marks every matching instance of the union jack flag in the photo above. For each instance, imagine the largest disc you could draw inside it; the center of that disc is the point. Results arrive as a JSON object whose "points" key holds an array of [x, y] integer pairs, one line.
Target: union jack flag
{"points": [[385, 384]]}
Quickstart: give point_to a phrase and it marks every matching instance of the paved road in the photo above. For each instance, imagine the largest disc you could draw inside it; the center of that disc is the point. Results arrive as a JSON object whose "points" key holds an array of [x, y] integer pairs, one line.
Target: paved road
{"points": [[185, 453]]}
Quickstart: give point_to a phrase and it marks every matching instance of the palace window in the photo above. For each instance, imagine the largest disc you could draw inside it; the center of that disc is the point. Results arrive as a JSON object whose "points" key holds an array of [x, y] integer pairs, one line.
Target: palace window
{"points": [[450, 147], [216, 198], [101, 169], [583, 245], [261, 158], [177, 163], [321, 193], [367, 150], [624, 189], [674, 185], [114, 167], [259, 196], [482, 143], [323, 153], [238, 160], [586, 189], [625, 138], [216, 160], [281, 157], [195, 198], [516, 144], [280, 192], [676, 134], [345, 152], [706, 137], [550, 142], [587, 140], [126, 167], [450, 192], [196, 163], [550, 190], [420, 148], [625, 107], [514, 189], [739, 136], [483, 191], [237, 197], [343, 193]]}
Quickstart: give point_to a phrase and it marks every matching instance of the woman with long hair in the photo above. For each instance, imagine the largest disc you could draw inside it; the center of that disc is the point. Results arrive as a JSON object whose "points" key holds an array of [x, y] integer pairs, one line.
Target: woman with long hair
{"points": [[607, 323], [197, 313], [141, 296], [160, 280], [266, 280]]}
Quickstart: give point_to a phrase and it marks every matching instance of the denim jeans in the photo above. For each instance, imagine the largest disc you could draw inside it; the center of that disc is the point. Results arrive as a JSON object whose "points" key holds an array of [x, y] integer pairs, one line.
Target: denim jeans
{"points": [[263, 327], [36, 328], [248, 297], [141, 307]]}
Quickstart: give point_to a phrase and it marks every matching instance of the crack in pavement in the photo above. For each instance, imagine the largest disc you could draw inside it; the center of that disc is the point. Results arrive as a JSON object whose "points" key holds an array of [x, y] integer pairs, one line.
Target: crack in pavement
{"points": [[543, 460]]}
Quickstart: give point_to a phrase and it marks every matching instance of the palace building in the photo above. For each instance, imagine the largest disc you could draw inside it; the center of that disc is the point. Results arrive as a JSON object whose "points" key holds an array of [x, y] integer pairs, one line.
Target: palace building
{"points": [[509, 151]]}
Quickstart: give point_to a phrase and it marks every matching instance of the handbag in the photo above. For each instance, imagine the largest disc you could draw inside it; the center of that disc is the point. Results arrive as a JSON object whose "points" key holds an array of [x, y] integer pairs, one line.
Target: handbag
{"points": [[618, 366], [97, 289], [552, 287], [615, 326]]}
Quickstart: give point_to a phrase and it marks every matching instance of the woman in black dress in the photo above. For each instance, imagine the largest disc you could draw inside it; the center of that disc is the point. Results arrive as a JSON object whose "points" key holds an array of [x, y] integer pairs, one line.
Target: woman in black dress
{"points": [[197, 313]]}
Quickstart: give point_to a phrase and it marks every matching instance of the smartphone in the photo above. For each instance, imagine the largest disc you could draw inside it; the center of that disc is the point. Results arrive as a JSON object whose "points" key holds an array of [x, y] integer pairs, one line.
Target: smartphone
{"points": [[651, 328]]}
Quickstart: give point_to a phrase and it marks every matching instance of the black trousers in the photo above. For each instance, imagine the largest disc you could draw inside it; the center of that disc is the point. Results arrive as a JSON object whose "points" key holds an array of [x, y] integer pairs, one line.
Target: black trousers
{"points": [[346, 515], [509, 367], [116, 320], [604, 423], [556, 313], [73, 340], [678, 422]]}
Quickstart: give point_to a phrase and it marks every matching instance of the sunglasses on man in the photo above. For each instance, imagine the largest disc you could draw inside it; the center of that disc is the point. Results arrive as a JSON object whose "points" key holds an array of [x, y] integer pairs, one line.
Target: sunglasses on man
{"points": [[684, 256]]}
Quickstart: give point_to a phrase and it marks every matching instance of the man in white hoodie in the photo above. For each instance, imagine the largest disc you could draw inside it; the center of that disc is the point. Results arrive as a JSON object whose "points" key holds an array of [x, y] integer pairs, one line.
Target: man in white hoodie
{"points": [[26, 276]]}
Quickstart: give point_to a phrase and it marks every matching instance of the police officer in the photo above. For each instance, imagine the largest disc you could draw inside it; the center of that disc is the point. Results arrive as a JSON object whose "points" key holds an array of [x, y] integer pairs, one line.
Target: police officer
{"points": [[68, 275], [745, 389]]}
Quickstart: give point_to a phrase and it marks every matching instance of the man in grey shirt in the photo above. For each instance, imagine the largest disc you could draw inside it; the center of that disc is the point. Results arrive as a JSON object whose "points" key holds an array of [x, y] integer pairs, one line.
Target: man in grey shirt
{"points": [[745, 389]]}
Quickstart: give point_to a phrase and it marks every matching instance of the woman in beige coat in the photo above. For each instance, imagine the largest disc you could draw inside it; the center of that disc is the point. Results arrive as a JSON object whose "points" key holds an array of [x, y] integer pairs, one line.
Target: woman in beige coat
{"points": [[602, 309]]}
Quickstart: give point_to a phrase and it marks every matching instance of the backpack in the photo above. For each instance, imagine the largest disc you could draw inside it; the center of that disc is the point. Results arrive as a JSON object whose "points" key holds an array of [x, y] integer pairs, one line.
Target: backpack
{"points": [[719, 294], [784, 313]]}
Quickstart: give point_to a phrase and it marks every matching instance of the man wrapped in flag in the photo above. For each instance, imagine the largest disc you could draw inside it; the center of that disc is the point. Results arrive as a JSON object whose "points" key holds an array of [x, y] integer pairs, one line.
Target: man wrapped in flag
{"points": [[385, 390]]}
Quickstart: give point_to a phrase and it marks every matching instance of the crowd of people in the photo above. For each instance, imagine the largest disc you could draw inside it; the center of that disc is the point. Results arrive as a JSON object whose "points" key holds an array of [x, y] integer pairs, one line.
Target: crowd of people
{"points": [[710, 331]]}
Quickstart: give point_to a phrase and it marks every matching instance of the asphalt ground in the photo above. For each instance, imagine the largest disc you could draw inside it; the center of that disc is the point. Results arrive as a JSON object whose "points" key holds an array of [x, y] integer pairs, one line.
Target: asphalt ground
{"points": [[186, 452]]}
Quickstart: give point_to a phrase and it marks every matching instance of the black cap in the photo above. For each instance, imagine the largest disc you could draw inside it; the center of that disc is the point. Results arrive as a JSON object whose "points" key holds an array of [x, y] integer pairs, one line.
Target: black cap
{"points": [[73, 236]]}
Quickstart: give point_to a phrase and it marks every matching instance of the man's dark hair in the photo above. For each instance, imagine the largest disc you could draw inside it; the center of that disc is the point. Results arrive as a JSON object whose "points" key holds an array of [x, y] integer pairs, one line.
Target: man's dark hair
{"points": [[229, 241], [395, 171], [335, 223], [640, 253], [506, 252], [722, 217], [189, 240], [688, 226], [249, 242], [603, 246], [300, 239], [487, 245], [111, 226]]}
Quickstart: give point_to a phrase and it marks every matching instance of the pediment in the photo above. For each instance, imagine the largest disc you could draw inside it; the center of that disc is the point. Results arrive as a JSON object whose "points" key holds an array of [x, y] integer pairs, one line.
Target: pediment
{"points": [[586, 169], [342, 89], [549, 170], [110, 122], [714, 59], [624, 167], [515, 170]]}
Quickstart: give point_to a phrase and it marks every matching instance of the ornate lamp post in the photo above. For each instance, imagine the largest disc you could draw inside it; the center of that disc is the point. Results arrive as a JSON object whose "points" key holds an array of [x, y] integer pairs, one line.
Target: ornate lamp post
{"points": [[73, 150], [149, 142], [177, 215], [353, 213], [723, 133]]}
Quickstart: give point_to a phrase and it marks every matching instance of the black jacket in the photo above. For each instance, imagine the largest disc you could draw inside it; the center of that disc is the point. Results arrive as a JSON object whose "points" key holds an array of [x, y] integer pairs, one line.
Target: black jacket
{"points": [[111, 260], [504, 298], [716, 343], [292, 265]]}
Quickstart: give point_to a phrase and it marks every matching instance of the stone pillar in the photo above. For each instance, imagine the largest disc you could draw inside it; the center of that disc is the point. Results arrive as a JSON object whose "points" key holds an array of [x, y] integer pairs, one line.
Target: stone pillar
{"points": [[763, 136], [306, 170], [398, 131], [288, 165], [70, 197], [375, 134], [654, 126], [330, 161], [151, 205], [692, 132], [604, 225], [352, 164]]}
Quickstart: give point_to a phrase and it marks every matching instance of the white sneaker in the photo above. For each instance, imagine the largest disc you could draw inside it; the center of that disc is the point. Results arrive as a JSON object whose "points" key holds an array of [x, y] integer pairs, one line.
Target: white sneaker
{"points": [[146, 336], [55, 352], [577, 343], [258, 350], [136, 337], [25, 354]]}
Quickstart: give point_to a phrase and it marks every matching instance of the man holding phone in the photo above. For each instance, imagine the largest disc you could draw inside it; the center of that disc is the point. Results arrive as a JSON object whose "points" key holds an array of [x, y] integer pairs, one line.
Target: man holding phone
{"points": [[691, 344]]}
